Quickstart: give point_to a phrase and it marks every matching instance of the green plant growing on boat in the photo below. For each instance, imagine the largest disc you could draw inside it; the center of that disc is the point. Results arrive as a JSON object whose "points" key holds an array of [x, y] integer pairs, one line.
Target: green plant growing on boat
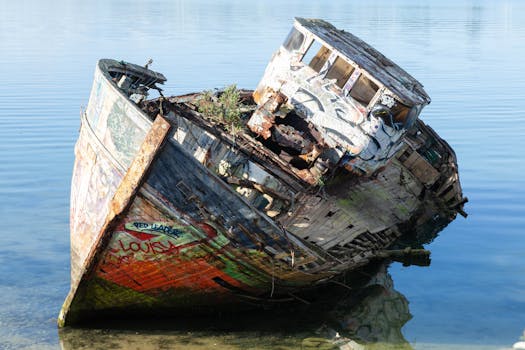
{"points": [[226, 108], [209, 106]]}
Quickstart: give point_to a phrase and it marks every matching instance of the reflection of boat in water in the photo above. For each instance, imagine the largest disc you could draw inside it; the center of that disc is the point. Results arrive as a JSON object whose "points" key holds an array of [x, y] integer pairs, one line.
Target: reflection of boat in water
{"points": [[205, 201], [375, 316]]}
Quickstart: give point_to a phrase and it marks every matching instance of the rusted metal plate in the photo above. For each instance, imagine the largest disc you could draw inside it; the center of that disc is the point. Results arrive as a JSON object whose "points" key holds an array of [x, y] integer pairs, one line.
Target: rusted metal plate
{"points": [[261, 122], [263, 119]]}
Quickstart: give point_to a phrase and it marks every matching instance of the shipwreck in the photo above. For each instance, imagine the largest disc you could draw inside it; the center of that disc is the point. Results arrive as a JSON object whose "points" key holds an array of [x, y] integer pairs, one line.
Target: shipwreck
{"points": [[214, 199]]}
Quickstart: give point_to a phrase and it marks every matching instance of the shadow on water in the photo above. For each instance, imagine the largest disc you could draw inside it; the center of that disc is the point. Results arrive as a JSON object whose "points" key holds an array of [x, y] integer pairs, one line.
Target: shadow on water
{"points": [[369, 315]]}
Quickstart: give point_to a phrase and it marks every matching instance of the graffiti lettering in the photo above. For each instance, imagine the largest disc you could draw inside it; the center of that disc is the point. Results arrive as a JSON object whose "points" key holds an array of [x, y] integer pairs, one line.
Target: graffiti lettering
{"points": [[141, 241], [116, 261], [155, 227], [148, 247]]}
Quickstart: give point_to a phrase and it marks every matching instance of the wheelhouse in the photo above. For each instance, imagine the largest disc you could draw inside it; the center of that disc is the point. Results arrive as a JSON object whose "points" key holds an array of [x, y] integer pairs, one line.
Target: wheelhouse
{"points": [[359, 100]]}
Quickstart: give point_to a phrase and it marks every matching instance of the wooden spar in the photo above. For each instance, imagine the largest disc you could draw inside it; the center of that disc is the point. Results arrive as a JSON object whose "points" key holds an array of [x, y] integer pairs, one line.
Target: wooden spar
{"points": [[407, 256], [120, 203]]}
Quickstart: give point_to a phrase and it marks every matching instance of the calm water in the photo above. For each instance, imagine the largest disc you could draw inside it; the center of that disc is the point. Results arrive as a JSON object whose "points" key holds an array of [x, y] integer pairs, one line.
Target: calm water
{"points": [[468, 54]]}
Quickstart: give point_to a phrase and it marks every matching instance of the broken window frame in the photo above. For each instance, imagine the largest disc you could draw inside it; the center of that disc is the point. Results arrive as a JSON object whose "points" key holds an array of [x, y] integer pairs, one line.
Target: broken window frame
{"points": [[294, 40], [401, 116], [413, 114], [395, 119], [351, 81], [340, 79], [322, 55], [373, 96]]}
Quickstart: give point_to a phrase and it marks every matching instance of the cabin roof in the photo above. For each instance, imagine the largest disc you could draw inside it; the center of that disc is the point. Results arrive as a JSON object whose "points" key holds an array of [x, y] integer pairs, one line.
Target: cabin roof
{"points": [[393, 77]]}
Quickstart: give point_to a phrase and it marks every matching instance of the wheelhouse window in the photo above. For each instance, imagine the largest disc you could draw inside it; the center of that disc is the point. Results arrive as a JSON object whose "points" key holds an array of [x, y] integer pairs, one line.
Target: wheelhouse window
{"points": [[363, 90], [400, 114], [394, 113], [294, 40], [341, 71], [316, 55]]}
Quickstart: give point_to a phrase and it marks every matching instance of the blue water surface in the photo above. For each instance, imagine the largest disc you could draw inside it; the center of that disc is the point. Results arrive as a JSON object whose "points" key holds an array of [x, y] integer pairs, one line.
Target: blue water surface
{"points": [[470, 55]]}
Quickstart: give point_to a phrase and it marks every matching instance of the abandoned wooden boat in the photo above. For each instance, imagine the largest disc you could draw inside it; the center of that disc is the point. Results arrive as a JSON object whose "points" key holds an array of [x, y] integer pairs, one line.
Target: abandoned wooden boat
{"points": [[213, 199]]}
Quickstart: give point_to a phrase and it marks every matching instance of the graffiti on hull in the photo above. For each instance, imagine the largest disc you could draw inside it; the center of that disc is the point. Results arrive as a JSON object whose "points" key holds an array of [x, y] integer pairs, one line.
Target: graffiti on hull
{"points": [[153, 240]]}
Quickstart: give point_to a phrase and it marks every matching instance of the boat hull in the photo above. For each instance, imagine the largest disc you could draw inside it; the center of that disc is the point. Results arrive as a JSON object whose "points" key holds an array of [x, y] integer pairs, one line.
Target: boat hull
{"points": [[155, 227]]}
